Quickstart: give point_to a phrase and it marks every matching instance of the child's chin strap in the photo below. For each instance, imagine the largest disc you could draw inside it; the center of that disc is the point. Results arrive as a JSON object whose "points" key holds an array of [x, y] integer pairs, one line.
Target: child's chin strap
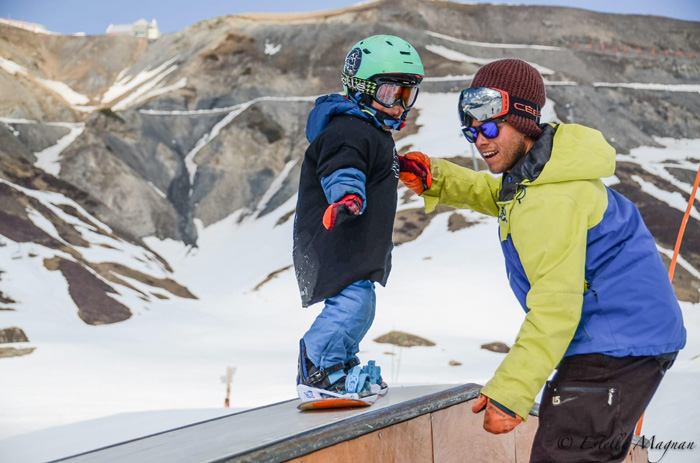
{"points": [[379, 118]]}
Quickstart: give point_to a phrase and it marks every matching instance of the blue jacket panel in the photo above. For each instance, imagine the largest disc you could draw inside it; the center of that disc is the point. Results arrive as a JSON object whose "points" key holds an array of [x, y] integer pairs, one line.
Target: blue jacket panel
{"points": [[629, 306]]}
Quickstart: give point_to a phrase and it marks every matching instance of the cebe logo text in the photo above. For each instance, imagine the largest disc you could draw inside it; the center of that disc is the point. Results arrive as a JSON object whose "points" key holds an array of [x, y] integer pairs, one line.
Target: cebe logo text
{"points": [[528, 109]]}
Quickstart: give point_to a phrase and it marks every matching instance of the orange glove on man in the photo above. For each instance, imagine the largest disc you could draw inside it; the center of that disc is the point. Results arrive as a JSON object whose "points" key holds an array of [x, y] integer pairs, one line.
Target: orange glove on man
{"points": [[498, 418], [415, 171]]}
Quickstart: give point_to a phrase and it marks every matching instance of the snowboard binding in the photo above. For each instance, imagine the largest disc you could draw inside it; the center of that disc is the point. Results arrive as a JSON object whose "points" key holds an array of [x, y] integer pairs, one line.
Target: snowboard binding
{"points": [[340, 381]]}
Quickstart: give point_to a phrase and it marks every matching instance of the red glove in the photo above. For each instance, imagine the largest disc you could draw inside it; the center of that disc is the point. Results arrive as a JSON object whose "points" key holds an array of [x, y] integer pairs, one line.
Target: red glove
{"points": [[498, 418], [415, 171], [348, 207]]}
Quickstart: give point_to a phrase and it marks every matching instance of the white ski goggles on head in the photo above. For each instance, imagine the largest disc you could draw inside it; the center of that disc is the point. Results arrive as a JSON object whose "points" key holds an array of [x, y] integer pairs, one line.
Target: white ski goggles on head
{"points": [[484, 104]]}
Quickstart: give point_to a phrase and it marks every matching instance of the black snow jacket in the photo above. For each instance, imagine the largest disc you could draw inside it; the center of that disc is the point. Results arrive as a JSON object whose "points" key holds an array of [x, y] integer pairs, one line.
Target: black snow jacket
{"points": [[327, 261]]}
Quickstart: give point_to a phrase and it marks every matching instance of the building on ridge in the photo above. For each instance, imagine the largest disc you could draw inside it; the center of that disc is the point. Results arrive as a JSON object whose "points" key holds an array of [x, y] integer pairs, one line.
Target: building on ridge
{"points": [[140, 28]]}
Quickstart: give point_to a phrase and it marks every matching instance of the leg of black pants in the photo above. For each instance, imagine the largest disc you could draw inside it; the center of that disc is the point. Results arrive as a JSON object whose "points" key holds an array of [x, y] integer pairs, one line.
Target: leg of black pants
{"points": [[590, 408]]}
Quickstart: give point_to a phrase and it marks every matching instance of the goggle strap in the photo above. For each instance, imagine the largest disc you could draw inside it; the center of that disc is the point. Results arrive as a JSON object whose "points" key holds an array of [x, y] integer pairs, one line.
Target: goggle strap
{"points": [[361, 85], [524, 108]]}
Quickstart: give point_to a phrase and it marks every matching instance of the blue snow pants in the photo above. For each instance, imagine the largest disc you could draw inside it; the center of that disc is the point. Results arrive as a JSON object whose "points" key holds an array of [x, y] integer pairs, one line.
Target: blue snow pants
{"points": [[336, 333]]}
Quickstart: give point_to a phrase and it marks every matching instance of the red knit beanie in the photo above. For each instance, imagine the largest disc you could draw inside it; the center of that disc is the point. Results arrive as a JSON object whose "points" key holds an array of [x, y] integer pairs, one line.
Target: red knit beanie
{"points": [[519, 79]]}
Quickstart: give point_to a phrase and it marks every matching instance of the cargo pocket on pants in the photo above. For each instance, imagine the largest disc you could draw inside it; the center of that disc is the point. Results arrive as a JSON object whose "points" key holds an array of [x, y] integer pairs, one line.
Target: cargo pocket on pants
{"points": [[583, 422]]}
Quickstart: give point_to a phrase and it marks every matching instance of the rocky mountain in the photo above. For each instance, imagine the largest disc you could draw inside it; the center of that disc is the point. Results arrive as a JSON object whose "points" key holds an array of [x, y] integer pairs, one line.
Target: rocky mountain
{"points": [[129, 138]]}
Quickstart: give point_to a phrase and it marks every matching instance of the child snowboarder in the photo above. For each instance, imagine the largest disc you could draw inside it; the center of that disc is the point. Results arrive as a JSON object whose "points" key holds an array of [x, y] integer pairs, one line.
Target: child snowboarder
{"points": [[345, 214]]}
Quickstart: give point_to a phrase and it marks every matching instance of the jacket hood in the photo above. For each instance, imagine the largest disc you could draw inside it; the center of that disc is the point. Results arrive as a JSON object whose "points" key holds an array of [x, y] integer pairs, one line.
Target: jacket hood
{"points": [[563, 153], [326, 107]]}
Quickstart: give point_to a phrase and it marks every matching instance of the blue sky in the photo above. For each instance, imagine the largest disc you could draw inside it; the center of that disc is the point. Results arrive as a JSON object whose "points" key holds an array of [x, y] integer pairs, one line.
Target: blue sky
{"points": [[93, 16]]}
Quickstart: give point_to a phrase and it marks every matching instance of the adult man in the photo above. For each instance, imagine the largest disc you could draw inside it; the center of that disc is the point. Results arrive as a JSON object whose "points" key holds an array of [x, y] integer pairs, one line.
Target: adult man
{"points": [[345, 213], [600, 307]]}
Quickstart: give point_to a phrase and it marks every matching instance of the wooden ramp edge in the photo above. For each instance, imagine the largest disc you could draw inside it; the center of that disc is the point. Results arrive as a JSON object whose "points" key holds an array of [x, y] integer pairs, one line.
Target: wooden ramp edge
{"points": [[413, 424]]}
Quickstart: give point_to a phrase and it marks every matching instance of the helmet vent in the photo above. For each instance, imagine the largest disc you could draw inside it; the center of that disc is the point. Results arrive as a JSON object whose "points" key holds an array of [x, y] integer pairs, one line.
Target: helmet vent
{"points": [[405, 53], [389, 43], [367, 52]]}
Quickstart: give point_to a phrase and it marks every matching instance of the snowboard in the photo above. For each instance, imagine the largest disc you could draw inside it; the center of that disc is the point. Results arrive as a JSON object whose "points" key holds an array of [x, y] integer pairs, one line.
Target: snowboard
{"points": [[332, 402]]}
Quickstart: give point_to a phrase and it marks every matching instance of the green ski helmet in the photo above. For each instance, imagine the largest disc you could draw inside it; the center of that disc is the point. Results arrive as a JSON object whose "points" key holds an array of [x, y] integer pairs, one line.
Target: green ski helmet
{"points": [[380, 58]]}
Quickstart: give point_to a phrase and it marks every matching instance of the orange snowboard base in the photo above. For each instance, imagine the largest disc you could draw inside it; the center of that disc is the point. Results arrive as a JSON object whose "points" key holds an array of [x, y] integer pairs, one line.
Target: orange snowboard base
{"points": [[322, 404]]}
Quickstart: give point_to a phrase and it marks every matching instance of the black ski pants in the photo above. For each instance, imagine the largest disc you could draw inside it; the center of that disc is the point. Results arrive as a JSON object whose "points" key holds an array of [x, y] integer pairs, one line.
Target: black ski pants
{"points": [[590, 408]]}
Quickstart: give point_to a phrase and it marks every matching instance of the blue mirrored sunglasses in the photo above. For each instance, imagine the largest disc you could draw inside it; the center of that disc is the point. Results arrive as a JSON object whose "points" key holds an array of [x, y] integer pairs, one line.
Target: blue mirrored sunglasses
{"points": [[487, 129]]}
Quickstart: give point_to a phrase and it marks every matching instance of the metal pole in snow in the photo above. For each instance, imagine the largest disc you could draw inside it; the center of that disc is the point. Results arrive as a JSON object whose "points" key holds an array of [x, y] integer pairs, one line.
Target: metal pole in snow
{"points": [[227, 380]]}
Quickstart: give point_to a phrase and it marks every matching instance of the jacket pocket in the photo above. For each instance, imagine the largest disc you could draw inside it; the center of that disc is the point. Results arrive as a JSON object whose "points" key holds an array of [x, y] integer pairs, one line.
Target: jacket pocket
{"points": [[583, 422]]}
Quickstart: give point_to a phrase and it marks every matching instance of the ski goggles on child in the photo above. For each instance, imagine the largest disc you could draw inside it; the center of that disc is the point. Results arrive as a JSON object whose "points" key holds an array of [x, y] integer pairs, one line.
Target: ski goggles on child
{"points": [[388, 91], [389, 94], [483, 104], [487, 129]]}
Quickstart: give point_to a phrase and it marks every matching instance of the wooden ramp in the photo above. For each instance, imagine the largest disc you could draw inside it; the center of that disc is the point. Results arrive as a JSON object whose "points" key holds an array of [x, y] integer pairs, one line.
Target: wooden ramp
{"points": [[410, 424]]}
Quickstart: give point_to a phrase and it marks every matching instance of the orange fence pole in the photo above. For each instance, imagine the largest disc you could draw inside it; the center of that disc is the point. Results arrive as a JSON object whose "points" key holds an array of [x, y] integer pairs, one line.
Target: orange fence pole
{"points": [[683, 224]]}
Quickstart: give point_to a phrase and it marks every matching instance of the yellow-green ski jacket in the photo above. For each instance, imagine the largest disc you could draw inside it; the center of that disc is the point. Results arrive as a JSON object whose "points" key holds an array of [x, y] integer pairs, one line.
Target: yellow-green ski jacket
{"points": [[578, 256]]}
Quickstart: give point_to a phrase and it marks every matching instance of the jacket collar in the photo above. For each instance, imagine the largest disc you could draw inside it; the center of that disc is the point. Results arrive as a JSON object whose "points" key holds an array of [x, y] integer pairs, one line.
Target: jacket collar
{"points": [[530, 166]]}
